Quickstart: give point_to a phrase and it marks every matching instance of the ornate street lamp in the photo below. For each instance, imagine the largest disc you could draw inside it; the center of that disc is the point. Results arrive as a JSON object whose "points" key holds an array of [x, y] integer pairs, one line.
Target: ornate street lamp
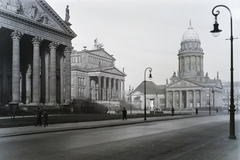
{"points": [[150, 76], [216, 32], [210, 90]]}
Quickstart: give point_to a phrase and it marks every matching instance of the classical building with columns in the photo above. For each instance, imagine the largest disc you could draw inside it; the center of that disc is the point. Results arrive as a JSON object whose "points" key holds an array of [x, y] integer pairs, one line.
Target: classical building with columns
{"points": [[95, 76], [190, 88], [35, 49]]}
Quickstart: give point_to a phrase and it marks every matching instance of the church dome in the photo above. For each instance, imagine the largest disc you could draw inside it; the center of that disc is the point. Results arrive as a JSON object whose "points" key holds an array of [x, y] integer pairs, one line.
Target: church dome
{"points": [[190, 35]]}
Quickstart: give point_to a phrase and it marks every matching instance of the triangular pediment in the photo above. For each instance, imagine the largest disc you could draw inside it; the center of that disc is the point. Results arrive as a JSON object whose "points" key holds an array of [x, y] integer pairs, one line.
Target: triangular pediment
{"points": [[183, 83], [113, 70], [38, 12], [102, 53]]}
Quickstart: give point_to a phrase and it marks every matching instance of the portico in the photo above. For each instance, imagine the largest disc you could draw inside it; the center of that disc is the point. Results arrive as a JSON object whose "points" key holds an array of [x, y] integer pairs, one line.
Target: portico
{"points": [[35, 53]]}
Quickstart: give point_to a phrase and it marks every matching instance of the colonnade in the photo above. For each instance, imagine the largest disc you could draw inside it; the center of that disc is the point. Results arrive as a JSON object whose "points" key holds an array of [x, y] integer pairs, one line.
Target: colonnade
{"points": [[107, 88], [185, 98], [36, 75]]}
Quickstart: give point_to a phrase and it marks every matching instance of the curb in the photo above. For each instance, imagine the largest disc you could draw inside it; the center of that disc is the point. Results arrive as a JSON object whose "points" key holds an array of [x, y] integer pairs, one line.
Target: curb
{"points": [[94, 126]]}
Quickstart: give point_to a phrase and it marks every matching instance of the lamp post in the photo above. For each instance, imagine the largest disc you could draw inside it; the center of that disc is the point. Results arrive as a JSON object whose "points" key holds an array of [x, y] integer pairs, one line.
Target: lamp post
{"points": [[150, 76], [209, 101], [157, 102], [216, 32], [210, 90]]}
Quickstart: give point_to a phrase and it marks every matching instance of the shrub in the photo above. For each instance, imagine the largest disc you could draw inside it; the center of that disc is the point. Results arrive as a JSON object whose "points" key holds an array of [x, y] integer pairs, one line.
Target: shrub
{"points": [[88, 106]]}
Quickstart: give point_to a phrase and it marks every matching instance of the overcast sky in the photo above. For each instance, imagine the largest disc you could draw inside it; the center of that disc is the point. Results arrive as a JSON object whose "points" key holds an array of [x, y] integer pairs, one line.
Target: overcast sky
{"points": [[148, 33]]}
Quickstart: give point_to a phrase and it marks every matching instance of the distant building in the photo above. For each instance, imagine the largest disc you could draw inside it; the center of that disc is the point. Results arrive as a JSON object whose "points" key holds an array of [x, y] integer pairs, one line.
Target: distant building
{"points": [[155, 96], [226, 94], [190, 88], [95, 76]]}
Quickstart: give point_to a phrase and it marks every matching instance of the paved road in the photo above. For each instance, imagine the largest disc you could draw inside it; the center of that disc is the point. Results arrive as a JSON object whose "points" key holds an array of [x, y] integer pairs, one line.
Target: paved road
{"points": [[199, 138]]}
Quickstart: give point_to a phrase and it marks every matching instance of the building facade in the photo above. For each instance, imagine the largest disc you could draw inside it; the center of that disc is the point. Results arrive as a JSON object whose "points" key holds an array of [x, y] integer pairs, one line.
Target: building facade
{"points": [[94, 76], [226, 95], [190, 88], [155, 97], [35, 48]]}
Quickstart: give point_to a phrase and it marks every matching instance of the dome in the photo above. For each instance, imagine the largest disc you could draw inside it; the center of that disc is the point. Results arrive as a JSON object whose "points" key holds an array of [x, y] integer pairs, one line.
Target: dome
{"points": [[190, 35]]}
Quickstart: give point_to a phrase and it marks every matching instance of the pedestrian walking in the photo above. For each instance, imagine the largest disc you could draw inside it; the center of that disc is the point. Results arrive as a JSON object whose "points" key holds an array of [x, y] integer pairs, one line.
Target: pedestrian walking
{"points": [[196, 111], [45, 118], [124, 114], [39, 117], [172, 110]]}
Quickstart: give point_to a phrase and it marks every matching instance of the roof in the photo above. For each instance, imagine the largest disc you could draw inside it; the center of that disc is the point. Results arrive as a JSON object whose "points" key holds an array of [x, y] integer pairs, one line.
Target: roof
{"points": [[35, 13], [151, 88]]}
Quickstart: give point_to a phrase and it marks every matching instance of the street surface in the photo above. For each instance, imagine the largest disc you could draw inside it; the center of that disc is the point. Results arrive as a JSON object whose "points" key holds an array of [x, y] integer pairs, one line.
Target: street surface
{"points": [[200, 138]]}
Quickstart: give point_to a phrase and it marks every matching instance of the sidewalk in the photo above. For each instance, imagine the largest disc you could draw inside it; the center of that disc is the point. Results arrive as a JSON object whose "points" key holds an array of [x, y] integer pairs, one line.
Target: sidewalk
{"points": [[27, 130]]}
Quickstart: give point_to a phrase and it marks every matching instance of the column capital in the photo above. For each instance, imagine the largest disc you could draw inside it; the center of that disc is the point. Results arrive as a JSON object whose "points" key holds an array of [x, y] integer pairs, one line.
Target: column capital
{"points": [[53, 45], [37, 40], [16, 35], [68, 49]]}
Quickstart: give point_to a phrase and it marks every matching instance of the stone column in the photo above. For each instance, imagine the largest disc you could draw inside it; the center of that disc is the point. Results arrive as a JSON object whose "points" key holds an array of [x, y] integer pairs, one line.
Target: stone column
{"points": [[67, 53], [28, 84], [36, 69], [53, 91], [187, 101], [20, 88], [201, 98], [194, 99], [62, 88], [109, 89], [180, 99], [114, 88], [104, 88], [16, 36], [173, 99], [99, 88], [46, 78], [119, 89], [167, 99]]}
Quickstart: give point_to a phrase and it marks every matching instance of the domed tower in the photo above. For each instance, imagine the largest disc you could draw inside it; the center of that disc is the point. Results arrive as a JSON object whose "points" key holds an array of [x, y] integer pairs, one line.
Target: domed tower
{"points": [[190, 56]]}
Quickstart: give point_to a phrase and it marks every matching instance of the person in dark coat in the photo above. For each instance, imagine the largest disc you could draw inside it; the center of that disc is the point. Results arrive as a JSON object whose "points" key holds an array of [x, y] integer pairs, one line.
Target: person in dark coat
{"points": [[45, 118], [39, 118], [124, 114], [172, 111]]}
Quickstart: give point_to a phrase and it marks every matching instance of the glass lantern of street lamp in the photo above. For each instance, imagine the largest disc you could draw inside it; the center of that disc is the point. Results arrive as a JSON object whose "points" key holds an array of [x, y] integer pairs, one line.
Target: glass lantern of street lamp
{"points": [[150, 75], [216, 31]]}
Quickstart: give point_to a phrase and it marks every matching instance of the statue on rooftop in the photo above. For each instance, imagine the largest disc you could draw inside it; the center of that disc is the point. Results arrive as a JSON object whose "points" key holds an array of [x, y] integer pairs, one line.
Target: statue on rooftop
{"points": [[67, 16]]}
